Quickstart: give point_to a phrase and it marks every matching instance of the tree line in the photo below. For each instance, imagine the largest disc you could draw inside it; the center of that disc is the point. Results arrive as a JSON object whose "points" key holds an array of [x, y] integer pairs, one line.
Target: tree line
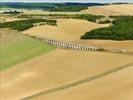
{"points": [[122, 29], [22, 25]]}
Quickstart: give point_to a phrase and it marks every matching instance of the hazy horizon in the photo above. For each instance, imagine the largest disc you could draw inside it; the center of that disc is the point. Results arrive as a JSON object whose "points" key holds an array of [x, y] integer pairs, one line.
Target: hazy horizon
{"points": [[76, 1]]}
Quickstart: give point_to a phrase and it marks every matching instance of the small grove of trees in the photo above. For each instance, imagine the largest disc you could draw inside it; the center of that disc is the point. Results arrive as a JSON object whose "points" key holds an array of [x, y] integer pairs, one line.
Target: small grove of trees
{"points": [[22, 25], [12, 12], [104, 21], [90, 17], [49, 6], [122, 29], [68, 8]]}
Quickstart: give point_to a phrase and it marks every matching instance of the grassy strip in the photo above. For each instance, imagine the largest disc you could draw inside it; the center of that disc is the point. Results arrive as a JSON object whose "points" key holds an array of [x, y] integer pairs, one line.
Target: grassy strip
{"points": [[122, 29], [22, 25], [20, 49], [79, 82]]}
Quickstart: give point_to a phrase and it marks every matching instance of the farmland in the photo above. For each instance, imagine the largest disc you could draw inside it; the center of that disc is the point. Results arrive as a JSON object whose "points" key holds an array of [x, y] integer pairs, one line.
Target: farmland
{"points": [[64, 29], [18, 48], [46, 67], [83, 91], [123, 9], [34, 70]]}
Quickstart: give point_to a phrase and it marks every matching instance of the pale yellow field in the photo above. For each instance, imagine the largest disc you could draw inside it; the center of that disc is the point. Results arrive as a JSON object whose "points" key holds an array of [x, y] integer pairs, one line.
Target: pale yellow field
{"points": [[110, 44], [9, 18], [62, 67], [57, 68], [116, 86], [72, 29], [14, 19], [124, 9], [66, 29]]}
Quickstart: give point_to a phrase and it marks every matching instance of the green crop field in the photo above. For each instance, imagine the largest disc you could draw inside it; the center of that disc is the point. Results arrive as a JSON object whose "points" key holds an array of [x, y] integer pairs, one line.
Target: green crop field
{"points": [[20, 49]]}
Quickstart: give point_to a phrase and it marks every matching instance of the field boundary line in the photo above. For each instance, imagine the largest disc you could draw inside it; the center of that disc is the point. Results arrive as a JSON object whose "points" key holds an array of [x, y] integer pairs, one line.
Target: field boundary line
{"points": [[83, 81]]}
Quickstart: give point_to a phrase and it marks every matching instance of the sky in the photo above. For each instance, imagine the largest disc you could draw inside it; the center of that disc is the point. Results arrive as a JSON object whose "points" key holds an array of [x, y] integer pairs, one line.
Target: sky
{"points": [[98, 1]]}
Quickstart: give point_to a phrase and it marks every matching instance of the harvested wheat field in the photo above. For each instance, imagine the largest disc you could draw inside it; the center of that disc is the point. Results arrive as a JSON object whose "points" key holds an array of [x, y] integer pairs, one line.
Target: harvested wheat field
{"points": [[39, 71], [123, 9], [110, 44], [7, 18], [60, 67], [14, 19], [66, 29], [116, 86], [119, 9]]}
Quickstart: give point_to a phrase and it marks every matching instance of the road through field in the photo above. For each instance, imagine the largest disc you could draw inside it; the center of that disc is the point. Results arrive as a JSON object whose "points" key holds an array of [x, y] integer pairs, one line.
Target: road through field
{"points": [[56, 69], [114, 86], [79, 82]]}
